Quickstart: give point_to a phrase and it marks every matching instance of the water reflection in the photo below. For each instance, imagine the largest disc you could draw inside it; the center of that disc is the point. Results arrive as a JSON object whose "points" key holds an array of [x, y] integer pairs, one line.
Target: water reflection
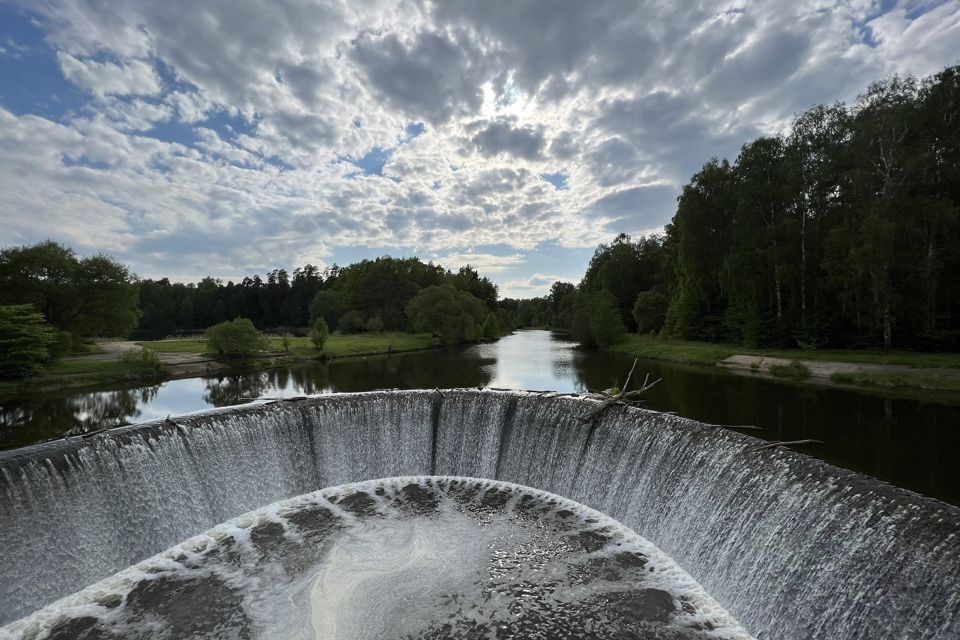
{"points": [[906, 442]]}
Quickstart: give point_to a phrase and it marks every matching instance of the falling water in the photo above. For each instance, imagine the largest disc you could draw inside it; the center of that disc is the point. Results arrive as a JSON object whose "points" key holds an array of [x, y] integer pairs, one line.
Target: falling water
{"points": [[791, 546]]}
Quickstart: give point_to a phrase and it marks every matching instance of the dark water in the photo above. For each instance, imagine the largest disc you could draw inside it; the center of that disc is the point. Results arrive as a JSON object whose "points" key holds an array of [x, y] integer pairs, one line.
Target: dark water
{"points": [[905, 442]]}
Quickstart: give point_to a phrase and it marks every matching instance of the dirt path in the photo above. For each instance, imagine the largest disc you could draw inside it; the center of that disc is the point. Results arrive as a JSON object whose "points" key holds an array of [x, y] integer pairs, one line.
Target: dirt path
{"points": [[822, 370], [178, 365]]}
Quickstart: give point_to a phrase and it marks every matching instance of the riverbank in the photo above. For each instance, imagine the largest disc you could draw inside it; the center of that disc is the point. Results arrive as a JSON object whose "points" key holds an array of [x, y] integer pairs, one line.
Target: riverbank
{"points": [[187, 358], [937, 373]]}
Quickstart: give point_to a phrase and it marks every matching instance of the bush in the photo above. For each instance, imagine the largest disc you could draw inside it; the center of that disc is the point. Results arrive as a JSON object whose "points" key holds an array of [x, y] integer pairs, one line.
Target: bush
{"points": [[138, 363], [352, 322], [25, 341], [235, 338], [319, 333], [375, 325], [793, 371], [650, 311]]}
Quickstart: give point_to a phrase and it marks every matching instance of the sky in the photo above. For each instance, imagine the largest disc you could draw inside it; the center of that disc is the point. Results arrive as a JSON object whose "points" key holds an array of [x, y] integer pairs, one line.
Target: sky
{"points": [[230, 137]]}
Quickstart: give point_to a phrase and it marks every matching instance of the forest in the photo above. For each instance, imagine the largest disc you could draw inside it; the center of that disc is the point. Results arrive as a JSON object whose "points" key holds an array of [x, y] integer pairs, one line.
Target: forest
{"points": [[842, 232]]}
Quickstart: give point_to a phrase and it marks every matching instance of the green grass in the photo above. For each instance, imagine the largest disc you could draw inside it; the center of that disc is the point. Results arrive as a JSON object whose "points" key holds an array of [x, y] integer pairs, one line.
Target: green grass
{"points": [[710, 353], [899, 381], [337, 346], [706, 353]]}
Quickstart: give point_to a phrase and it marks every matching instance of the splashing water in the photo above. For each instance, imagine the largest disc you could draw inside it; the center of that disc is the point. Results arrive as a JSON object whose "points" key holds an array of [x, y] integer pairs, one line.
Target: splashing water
{"points": [[791, 546], [405, 558]]}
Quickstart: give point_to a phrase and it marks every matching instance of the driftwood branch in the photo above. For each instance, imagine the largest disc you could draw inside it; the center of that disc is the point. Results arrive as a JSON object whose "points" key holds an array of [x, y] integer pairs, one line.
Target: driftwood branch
{"points": [[619, 399], [771, 445]]}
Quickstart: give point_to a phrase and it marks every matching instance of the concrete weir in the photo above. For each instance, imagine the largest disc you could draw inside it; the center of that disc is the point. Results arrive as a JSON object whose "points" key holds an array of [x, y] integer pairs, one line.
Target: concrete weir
{"points": [[792, 547]]}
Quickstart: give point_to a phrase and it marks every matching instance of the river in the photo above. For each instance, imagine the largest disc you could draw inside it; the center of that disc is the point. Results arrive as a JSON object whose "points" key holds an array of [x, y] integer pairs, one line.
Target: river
{"points": [[905, 442]]}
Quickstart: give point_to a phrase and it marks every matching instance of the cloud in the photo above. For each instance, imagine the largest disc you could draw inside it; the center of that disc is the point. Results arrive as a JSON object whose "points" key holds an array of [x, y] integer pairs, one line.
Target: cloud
{"points": [[204, 126], [133, 77], [500, 136]]}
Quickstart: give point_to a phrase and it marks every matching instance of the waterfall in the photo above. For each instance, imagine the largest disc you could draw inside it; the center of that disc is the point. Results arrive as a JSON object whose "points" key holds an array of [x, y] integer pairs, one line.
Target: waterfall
{"points": [[791, 546]]}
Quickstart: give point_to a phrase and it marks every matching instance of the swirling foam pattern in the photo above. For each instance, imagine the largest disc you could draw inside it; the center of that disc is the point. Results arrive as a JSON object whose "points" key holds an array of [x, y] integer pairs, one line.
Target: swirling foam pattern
{"points": [[404, 558]]}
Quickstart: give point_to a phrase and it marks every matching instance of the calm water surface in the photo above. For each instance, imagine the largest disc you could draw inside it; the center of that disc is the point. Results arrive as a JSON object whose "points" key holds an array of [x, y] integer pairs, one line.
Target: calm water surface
{"points": [[905, 442]]}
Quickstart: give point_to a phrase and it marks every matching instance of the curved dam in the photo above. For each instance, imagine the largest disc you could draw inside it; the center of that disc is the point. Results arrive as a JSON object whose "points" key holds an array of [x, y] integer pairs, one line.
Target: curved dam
{"points": [[791, 546]]}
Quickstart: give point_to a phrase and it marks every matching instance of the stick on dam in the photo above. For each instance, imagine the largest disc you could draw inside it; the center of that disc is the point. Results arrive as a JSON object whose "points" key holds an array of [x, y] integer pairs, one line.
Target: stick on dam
{"points": [[714, 539]]}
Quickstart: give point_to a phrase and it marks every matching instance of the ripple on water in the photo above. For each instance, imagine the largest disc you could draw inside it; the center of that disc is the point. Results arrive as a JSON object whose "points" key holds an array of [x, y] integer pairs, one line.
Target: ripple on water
{"points": [[399, 558]]}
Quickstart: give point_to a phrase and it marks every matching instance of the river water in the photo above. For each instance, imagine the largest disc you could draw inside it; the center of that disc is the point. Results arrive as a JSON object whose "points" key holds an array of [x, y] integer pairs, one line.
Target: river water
{"points": [[905, 442]]}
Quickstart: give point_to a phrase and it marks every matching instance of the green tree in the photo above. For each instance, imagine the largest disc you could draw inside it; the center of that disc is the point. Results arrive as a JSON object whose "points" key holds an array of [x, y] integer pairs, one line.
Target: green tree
{"points": [[374, 325], [650, 311], [329, 305], [319, 333], [235, 338], [25, 340], [95, 296], [352, 322], [491, 327], [596, 319], [451, 313]]}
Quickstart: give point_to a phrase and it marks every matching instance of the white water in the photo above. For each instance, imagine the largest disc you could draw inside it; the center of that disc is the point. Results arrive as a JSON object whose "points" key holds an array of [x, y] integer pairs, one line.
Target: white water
{"points": [[415, 557], [792, 547]]}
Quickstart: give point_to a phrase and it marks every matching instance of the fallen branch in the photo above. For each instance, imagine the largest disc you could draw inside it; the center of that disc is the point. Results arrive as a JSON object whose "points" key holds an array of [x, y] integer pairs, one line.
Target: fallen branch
{"points": [[783, 443], [620, 399]]}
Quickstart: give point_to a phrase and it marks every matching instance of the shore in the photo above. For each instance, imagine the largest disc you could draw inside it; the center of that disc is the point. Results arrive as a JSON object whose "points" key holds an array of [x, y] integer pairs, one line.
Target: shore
{"points": [[187, 358], [913, 372]]}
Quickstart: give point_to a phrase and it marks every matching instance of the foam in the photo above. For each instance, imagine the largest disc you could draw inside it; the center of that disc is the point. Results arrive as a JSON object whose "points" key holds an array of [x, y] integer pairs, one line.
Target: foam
{"points": [[408, 557]]}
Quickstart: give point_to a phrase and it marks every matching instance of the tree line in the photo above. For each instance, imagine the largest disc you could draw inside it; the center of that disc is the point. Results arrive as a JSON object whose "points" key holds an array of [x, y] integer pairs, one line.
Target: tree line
{"points": [[842, 232], [52, 302]]}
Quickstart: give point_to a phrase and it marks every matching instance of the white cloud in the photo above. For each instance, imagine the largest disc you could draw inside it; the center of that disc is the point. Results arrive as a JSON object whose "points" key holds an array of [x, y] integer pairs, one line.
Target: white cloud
{"points": [[625, 99], [133, 77]]}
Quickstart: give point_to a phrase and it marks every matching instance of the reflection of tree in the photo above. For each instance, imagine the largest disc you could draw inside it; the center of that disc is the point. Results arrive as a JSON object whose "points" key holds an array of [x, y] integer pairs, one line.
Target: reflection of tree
{"points": [[47, 416], [221, 392]]}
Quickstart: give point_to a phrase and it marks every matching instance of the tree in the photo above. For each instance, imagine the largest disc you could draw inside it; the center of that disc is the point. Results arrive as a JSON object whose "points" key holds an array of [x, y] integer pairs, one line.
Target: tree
{"points": [[95, 296], [329, 305], [491, 327], [235, 338], [319, 333], [445, 310], [352, 322], [374, 325], [25, 340], [650, 311], [596, 319]]}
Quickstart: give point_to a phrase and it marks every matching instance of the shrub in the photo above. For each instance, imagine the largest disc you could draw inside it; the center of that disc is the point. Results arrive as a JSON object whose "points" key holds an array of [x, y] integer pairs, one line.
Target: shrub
{"points": [[138, 363], [793, 371], [285, 342], [319, 333], [25, 340], [235, 338]]}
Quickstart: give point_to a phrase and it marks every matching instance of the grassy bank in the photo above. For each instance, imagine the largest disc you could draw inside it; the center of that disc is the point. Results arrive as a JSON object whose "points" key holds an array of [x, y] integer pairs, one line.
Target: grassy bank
{"points": [[338, 346], [83, 373], [710, 354], [910, 371]]}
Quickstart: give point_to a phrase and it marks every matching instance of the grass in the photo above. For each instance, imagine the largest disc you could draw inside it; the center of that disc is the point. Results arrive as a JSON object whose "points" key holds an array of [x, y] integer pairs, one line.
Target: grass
{"points": [[899, 381], [338, 346], [710, 353]]}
